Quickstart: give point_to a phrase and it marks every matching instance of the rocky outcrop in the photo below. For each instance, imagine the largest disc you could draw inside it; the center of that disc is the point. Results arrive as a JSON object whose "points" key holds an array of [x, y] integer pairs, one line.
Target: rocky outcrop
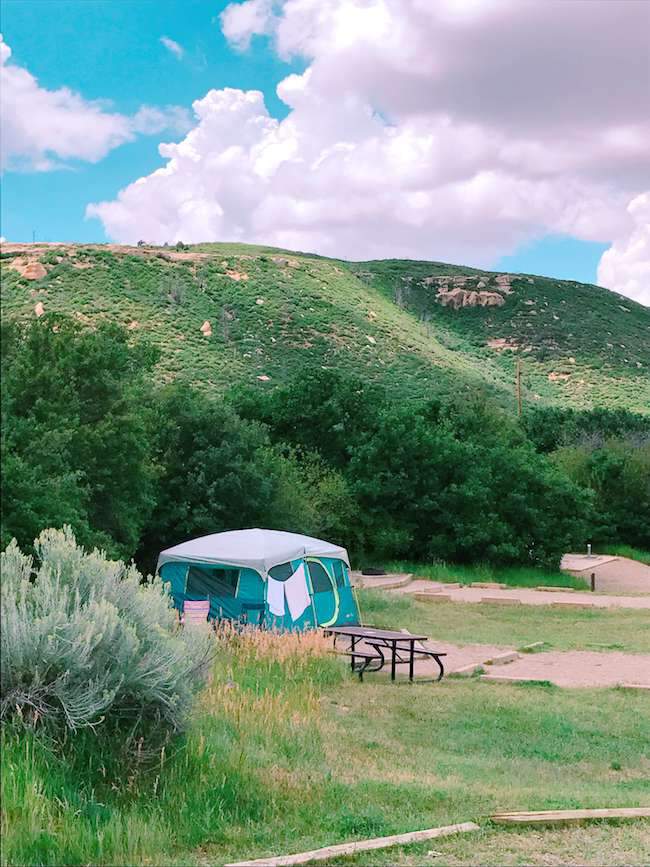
{"points": [[468, 298], [471, 290]]}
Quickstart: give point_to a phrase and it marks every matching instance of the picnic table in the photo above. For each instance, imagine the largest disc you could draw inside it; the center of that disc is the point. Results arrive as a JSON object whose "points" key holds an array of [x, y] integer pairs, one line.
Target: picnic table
{"points": [[400, 646]]}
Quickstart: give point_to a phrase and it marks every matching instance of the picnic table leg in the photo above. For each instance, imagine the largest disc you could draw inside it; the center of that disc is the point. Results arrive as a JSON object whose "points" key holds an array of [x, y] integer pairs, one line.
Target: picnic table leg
{"points": [[412, 661], [352, 646], [393, 661]]}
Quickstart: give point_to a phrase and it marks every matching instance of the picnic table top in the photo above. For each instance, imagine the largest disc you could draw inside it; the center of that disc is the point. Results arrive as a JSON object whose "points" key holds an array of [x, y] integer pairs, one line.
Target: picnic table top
{"points": [[371, 632]]}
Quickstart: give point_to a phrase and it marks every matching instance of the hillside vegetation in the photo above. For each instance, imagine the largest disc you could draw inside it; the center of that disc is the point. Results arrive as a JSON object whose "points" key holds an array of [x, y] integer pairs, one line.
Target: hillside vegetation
{"points": [[232, 313]]}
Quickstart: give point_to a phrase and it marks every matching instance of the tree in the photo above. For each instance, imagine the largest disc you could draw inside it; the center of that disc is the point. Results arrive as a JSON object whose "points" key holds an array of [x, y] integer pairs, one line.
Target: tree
{"points": [[216, 472], [454, 483], [75, 433], [617, 474], [321, 411]]}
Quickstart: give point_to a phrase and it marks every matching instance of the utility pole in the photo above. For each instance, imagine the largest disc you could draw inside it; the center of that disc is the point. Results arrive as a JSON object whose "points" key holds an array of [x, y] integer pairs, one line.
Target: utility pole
{"points": [[518, 385]]}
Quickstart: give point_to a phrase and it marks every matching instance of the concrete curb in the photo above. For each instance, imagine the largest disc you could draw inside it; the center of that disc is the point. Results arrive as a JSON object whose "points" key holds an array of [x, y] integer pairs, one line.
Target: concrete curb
{"points": [[532, 648], [467, 670], [366, 582], [431, 597], [503, 658], [500, 600]]}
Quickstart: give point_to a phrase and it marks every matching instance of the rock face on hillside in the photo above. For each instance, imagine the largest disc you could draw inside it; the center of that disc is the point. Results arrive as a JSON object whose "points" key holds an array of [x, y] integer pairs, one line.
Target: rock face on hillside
{"points": [[471, 290]]}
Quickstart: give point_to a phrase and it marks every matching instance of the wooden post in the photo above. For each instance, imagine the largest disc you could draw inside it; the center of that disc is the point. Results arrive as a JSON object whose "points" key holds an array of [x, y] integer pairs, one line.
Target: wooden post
{"points": [[593, 581], [518, 385]]}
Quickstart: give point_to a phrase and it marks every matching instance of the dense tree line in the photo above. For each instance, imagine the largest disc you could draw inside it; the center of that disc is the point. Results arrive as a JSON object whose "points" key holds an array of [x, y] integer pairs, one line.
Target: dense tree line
{"points": [[89, 441]]}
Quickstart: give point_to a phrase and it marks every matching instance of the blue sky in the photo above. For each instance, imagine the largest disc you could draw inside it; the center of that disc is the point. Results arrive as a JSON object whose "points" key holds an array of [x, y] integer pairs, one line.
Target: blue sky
{"points": [[379, 151], [111, 50]]}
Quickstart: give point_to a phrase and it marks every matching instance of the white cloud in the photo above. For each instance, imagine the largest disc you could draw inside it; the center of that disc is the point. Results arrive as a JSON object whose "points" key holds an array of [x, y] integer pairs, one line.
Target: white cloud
{"points": [[453, 130], [625, 267], [172, 46], [149, 120], [241, 21], [42, 129]]}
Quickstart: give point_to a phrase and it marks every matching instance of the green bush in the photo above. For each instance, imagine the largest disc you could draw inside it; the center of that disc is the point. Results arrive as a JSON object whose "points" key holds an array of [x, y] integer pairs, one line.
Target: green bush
{"points": [[76, 438], [618, 475], [83, 637]]}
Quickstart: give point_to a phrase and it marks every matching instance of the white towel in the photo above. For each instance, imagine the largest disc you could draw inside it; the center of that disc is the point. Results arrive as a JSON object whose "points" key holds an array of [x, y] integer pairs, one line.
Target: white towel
{"points": [[295, 589], [275, 596]]}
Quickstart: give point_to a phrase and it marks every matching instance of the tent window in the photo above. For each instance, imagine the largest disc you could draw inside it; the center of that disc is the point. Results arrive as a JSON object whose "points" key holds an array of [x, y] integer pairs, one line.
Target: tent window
{"points": [[320, 580], [209, 581], [339, 573], [281, 572]]}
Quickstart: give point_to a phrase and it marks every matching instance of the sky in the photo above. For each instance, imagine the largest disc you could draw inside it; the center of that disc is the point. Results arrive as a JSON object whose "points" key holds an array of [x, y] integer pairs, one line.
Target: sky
{"points": [[505, 134]]}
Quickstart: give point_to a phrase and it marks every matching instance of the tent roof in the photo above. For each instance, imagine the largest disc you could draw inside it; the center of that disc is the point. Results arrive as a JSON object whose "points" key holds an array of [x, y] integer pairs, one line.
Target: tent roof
{"points": [[255, 549]]}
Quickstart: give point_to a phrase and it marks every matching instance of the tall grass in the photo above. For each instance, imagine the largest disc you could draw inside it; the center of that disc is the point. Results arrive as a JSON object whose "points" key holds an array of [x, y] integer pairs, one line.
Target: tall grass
{"points": [[254, 725], [287, 752], [513, 576], [629, 551]]}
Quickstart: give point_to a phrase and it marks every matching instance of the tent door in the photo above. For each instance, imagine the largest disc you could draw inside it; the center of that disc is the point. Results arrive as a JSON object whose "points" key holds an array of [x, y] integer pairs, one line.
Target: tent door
{"points": [[324, 593]]}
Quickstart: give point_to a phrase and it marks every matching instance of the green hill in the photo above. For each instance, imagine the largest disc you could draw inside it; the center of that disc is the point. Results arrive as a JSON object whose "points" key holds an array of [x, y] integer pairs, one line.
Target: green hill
{"points": [[226, 313]]}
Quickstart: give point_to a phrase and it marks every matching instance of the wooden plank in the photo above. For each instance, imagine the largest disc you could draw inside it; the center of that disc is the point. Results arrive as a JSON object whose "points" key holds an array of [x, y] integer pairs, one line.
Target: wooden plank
{"points": [[550, 817], [358, 846]]}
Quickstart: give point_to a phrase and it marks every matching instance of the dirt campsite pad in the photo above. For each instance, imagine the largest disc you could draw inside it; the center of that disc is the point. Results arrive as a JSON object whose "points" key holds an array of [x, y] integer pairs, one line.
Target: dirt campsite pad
{"points": [[568, 668], [580, 668], [523, 595]]}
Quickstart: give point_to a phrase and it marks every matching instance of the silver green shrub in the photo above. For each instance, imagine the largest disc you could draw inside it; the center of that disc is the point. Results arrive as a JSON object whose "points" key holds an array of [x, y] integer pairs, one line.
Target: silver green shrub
{"points": [[84, 639]]}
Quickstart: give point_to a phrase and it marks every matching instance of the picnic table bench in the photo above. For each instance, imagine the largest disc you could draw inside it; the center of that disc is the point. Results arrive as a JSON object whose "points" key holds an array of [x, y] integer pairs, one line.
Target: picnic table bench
{"points": [[400, 646]]}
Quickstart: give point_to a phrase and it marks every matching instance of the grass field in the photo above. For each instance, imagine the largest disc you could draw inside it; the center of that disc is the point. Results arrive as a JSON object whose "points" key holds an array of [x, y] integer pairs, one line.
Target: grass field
{"points": [[515, 576], [287, 752], [467, 623]]}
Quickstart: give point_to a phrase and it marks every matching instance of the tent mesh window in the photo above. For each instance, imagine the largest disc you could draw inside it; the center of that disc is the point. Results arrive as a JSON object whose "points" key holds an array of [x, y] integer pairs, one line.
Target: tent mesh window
{"points": [[339, 573], [320, 580], [281, 572], [211, 581]]}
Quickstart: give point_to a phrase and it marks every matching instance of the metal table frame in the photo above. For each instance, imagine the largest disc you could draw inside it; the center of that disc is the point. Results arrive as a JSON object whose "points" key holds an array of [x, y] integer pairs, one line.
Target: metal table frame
{"points": [[386, 639]]}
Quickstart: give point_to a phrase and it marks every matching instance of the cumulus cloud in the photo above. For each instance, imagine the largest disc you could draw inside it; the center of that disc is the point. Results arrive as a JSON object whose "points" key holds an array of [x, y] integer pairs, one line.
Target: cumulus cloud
{"points": [[241, 21], [173, 47], [625, 267], [454, 130], [42, 129]]}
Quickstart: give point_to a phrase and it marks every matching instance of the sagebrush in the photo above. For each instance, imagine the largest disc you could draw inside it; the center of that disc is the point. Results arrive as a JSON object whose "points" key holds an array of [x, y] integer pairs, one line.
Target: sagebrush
{"points": [[84, 637]]}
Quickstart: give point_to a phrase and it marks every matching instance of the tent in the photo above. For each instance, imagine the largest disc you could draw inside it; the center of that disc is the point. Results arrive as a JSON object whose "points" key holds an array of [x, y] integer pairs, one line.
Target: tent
{"points": [[286, 580]]}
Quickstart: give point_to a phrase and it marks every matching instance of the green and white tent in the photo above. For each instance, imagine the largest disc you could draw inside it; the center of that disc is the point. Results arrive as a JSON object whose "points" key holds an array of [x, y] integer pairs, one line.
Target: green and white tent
{"points": [[290, 581]]}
